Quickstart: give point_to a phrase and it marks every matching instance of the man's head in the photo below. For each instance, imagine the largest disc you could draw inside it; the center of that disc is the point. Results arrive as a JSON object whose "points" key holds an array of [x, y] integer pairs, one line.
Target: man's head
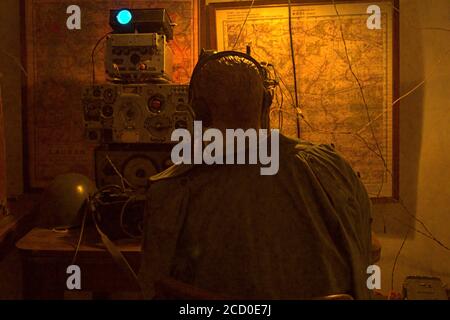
{"points": [[228, 92]]}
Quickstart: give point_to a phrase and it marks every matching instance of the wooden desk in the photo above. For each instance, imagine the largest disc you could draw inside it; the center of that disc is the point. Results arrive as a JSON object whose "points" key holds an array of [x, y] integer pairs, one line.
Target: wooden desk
{"points": [[46, 254]]}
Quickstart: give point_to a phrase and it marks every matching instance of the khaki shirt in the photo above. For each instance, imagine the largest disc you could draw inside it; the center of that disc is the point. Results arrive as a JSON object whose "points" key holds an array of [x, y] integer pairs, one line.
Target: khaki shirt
{"points": [[302, 233]]}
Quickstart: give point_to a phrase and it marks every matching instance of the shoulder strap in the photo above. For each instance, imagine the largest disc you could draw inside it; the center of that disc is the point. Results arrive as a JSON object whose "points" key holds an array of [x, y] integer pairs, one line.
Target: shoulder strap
{"points": [[117, 256]]}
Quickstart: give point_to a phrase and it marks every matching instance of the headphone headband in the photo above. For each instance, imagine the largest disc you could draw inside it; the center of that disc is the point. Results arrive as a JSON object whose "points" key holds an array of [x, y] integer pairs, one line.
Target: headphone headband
{"points": [[219, 55]]}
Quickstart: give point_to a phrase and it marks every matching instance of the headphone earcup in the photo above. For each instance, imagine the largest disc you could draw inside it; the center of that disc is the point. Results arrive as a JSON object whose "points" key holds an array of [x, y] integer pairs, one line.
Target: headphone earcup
{"points": [[268, 98], [265, 111]]}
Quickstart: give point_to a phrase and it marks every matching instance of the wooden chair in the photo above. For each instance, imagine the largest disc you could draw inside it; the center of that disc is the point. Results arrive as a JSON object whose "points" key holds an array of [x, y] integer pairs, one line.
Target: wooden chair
{"points": [[171, 289], [341, 296]]}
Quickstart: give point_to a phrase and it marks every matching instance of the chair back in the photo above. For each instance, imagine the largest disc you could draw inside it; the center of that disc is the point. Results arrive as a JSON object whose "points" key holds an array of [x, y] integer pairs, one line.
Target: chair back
{"points": [[171, 289]]}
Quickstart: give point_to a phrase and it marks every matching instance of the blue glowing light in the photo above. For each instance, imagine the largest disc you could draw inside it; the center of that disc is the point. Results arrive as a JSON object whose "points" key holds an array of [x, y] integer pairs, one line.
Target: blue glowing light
{"points": [[124, 16]]}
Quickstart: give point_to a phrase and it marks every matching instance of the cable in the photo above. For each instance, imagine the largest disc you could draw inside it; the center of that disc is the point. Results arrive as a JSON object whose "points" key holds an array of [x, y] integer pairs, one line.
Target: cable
{"points": [[93, 56], [80, 238], [280, 78], [431, 237], [132, 197], [122, 178], [15, 60], [422, 82], [281, 108], [294, 68], [378, 152], [284, 84], [97, 200], [409, 92], [122, 213], [371, 121], [116, 254], [428, 233], [395, 262], [358, 83], [279, 96], [366, 107], [242, 27]]}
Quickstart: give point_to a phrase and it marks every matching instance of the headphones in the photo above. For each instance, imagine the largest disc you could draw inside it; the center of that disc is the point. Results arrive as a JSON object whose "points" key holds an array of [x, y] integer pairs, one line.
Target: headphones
{"points": [[200, 107]]}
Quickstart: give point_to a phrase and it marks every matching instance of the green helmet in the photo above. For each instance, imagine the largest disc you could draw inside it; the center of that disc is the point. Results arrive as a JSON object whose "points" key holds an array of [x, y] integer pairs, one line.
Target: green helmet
{"points": [[62, 201]]}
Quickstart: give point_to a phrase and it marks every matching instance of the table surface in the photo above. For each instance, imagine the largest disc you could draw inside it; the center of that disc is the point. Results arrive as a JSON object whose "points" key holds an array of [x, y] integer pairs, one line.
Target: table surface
{"points": [[48, 253], [41, 240]]}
